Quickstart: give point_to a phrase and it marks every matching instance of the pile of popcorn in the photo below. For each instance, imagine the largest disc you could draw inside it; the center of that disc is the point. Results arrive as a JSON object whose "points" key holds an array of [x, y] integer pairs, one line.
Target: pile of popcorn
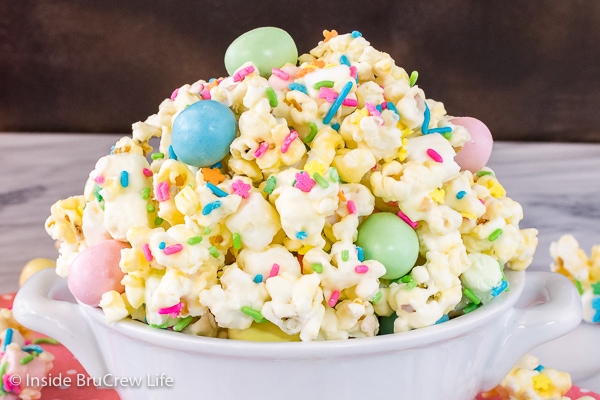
{"points": [[268, 234]]}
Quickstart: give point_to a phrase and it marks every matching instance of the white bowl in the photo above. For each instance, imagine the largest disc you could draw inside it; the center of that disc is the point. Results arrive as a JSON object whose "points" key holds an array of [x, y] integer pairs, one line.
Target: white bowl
{"points": [[454, 360]]}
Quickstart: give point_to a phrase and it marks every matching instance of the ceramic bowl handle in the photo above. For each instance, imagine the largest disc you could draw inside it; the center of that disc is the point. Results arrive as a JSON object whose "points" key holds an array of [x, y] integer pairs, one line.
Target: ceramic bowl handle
{"points": [[549, 307], [45, 305]]}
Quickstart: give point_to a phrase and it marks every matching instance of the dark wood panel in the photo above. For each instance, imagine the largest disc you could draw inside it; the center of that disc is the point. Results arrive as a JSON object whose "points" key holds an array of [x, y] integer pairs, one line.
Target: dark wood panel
{"points": [[529, 69]]}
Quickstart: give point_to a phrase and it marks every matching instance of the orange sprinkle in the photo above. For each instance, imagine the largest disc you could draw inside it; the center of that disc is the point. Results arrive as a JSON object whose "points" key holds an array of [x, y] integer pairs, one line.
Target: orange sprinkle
{"points": [[318, 63], [301, 72], [341, 196], [213, 175], [329, 34]]}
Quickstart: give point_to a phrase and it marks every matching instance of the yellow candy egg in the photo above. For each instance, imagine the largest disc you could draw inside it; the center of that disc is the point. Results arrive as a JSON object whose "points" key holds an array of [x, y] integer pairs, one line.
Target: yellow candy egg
{"points": [[263, 332], [33, 266]]}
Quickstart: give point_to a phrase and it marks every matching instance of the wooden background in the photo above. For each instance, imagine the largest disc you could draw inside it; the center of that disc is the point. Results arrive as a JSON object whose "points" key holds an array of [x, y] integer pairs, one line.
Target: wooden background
{"points": [[528, 69]]}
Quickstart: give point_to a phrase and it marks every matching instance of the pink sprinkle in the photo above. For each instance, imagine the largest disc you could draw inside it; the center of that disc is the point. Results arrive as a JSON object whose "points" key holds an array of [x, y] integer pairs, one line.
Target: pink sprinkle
{"points": [[173, 311], [162, 191], [9, 384], [435, 156], [405, 218], [262, 149], [304, 182], [274, 270], [174, 94], [281, 74], [240, 188], [333, 299], [361, 269], [285, 146], [99, 179], [384, 106], [482, 201], [176, 248], [205, 94], [147, 252], [241, 74], [147, 172], [353, 71], [351, 207], [350, 102], [328, 94], [373, 111]]}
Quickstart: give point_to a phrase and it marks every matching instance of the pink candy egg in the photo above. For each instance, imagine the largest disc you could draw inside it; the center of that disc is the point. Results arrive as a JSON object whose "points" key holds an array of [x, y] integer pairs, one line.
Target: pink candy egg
{"points": [[96, 271], [476, 152]]}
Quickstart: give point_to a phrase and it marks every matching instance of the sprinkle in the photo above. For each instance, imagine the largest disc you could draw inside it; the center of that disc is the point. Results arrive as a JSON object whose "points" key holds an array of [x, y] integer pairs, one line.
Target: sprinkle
{"points": [[329, 34], [33, 348], [194, 240], [304, 182], [483, 173], [99, 180], [237, 241], [426, 118], [206, 230], [176, 248], [470, 307], [336, 126], [406, 219], [333, 299], [317, 267], [319, 85], [579, 286], [162, 245], [447, 135], [285, 146], [212, 175], [337, 103], [461, 194], [281, 74], [495, 235], [210, 207], [162, 191], [392, 107], [158, 221], [157, 155], [301, 235], [345, 255], [377, 297], [373, 111], [320, 180], [298, 86], [500, 288], [361, 269], [273, 102], [413, 78], [442, 130], [539, 368], [216, 190], [344, 60], [182, 323], [274, 270], [313, 132], [241, 189], [262, 149], [443, 319], [360, 253], [205, 94], [7, 338], [147, 172], [251, 312], [147, 252], [124, 179], [270, 185], [409, 281], [258, 278], [471, 296], [214, 252], [596, 288], [356, 34], [45, 340], [97, 193], [172, 154], [435, 156], [161, 326], [351, 207], [173, 311], [27, 359], [333, 175], [174, 94], [150, 208], [328, 94], [242, 73]]}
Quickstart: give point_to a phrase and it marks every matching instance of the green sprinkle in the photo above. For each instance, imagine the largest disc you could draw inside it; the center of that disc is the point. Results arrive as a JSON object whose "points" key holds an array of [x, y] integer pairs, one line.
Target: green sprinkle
{"points": [[27, 359], [206, 231], [483, 173], [194, 240], [45, 340], [157, 155], [377, 297], [406, 278], [257, 315], [97, 194], [317, 267], [579, 286], [182, 323], [161, 326], [270, 185], [345, 255], [237, 241], [409, 281], [146, 193], [319, 85], [596, 287], [333, 175], [272, 97], [413, 78], [471, 296], [447, 135], [470, 307], [320, 180], [495, 235], [150, 208], [158, 221], [313, 132], [214, 252]]}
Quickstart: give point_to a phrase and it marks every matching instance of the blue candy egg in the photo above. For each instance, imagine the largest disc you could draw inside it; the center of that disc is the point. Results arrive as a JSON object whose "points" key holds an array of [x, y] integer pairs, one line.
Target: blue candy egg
{"points": [[202, 133]]}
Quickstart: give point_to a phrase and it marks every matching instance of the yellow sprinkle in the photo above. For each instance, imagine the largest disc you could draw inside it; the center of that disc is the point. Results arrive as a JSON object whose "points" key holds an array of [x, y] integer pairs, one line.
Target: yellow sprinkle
{"points": [[543, 385], [496, 189], [363, 112], [304, 249], [438, 195], [315, 166], [406, 132], [467, 215]]}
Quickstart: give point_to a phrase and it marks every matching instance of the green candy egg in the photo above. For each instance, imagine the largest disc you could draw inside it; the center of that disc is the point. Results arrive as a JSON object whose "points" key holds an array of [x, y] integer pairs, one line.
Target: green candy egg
{"points": [[386, 238], [266, 47]]}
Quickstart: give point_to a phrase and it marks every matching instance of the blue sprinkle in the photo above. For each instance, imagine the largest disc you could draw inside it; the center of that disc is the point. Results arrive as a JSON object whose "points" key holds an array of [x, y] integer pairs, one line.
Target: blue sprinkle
{"points": [[360, 253], [337, 103], [258, 278], [217, 165], [379, 107], [443, 129], [335, 126], [7, 338], [33, 347], [112, 150], [216, 190], [461, 194], [443, 319], [539, 368], [344, 60], [210, 207], [392, 107], [297, 86], [426, 118], [211, 80], [172, 154], [356, 34], [596, 317], [500, 288], [162, 245], [124, 179], [301, 235]]}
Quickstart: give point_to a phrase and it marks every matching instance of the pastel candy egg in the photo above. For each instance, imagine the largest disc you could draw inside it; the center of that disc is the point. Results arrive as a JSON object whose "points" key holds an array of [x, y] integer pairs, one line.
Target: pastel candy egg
{"points": [[262, 332], [477, 151], [386, 238], [266, 47], [96, 271], [202, 133], [33, 266]]}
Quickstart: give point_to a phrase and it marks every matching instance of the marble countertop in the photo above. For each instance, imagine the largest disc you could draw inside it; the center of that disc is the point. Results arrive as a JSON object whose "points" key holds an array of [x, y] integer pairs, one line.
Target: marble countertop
{"points": [[558, 185]]}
